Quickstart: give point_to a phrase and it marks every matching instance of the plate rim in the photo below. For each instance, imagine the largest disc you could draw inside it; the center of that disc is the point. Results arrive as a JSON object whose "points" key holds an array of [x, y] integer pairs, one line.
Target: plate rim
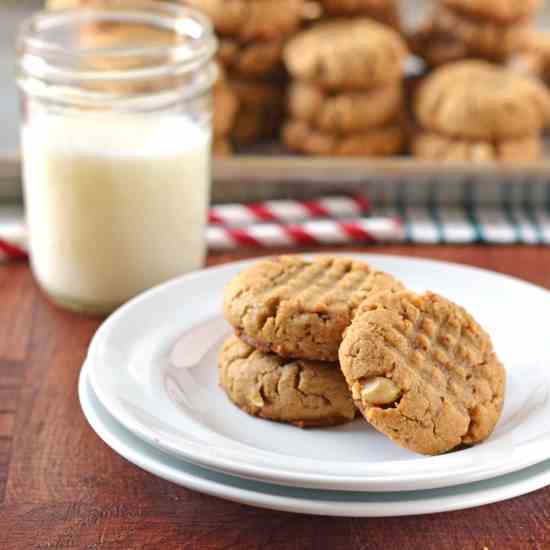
{"points": [[205, 458], [297, 505]]}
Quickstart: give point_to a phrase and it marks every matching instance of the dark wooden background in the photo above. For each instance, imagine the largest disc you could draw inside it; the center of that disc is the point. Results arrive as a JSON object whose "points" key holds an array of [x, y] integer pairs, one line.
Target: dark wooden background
{"points": [[63, 488]]}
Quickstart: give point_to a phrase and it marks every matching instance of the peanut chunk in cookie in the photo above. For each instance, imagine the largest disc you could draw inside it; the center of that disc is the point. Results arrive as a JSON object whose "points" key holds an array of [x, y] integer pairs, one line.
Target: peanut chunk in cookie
{"points": [[380, 391]]}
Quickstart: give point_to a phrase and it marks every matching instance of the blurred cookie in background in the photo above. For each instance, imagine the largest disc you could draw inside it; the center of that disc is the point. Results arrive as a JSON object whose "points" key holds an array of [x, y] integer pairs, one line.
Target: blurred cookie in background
{"points": [[473, 110], [378, 142], [436, 47], [253, 60], [383, 11], [346, 97], [481, 29], [253, 34], [348, 111], [503, 11], [347, 54], [252, 20]]}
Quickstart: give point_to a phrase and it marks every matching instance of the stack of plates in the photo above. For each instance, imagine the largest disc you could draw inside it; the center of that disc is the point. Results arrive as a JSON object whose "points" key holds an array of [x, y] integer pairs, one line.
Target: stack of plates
{"points": [[149, 389]]}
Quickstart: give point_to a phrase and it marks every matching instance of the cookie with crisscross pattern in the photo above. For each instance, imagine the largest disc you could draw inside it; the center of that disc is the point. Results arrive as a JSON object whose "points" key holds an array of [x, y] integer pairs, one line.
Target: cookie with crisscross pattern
{"points": [[422, 371], [299, 308]]}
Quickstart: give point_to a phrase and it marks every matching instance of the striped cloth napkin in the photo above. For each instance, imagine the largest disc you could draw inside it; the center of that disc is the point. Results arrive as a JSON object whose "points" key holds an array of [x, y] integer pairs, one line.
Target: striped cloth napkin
{"points": [[342, 220]]}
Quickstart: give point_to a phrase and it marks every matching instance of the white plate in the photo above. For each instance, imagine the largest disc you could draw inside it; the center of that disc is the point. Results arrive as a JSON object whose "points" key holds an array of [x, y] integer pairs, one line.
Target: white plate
{"points": [[304, 501], [181, 410]]}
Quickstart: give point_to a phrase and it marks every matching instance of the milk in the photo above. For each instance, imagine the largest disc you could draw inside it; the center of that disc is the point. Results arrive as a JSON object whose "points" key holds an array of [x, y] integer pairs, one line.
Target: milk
{"points": [[115, 203]]}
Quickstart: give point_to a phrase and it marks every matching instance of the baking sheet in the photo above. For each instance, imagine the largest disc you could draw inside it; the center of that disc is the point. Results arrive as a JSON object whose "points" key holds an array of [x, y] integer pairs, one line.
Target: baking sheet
{"points": [[260, 175]]}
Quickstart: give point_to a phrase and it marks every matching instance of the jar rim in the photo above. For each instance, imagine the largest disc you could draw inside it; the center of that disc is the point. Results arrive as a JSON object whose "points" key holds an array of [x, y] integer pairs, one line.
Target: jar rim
{"points": [[37, 54]]}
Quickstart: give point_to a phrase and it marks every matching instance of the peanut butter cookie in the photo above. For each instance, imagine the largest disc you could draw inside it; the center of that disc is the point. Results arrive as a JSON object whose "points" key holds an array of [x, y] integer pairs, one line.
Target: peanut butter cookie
{"points": [[423, 372], [299, 308], [506, 11], [483, 38], [383, 141], [477, 100], [434, 146], [347, 54], [436, 47], [258, 94], [348, 112], [384, 11], [249, 20], [253, 60], [306, 394]]}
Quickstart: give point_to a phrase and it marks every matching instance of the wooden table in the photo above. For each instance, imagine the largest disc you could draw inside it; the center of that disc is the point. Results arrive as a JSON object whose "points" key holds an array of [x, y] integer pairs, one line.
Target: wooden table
{"points": [[63, 488]]}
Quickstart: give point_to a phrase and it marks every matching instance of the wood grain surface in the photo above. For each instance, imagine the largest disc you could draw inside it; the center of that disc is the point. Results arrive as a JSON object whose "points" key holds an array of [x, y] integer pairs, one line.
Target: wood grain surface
{"points": [[63, 488]]}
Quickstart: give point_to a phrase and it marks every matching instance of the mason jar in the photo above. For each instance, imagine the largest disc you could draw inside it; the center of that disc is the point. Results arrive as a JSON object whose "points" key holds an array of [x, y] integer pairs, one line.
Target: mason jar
{"points": [[116, 136]]}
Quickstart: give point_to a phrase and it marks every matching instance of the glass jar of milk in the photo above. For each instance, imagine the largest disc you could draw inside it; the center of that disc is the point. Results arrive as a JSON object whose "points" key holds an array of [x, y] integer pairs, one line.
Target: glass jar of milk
{"points": [[116, 139]]}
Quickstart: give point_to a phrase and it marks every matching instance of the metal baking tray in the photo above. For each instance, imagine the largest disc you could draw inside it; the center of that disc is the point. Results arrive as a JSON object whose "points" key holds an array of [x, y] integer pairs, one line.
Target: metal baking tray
{"points": [[267, 172]]}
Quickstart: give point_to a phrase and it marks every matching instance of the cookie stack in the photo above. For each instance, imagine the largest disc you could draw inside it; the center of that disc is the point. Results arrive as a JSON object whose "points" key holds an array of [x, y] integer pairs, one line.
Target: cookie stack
{"points": [[485, 29], [316, 341], [289, 315], [476, 111], [346, 98], [383, 11], [252, 35]]}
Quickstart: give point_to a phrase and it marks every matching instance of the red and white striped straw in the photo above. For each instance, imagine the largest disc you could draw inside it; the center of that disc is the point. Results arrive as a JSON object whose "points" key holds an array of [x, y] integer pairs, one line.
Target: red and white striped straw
{"points": [[269, 235], [235, 225], [288, 211]]}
